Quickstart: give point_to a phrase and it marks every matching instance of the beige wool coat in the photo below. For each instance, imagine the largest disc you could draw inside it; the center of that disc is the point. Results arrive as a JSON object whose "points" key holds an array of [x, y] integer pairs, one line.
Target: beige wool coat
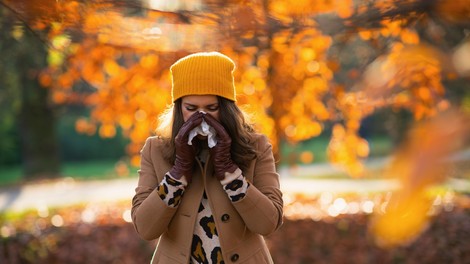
{"points": [[240, 225]]}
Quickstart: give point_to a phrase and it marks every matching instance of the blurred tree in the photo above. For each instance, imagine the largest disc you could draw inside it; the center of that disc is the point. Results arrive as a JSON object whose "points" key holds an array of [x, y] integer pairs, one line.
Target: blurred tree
{"points": [[9, 102], [285, 70], [27, 103]]}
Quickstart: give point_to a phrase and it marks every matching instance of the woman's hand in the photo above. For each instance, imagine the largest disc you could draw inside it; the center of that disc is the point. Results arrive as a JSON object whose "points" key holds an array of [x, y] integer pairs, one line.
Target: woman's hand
{"points": [[220, 153], [185, 154]]}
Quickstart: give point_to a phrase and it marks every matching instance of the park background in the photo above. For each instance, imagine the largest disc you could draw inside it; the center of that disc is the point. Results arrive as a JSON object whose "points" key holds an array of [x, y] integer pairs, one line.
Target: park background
{"points": [[366, 102]]}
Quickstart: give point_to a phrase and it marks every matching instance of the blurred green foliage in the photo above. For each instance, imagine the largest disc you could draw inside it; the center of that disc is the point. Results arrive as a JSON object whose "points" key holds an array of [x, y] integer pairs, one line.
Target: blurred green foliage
{"points": [[9, 97], [80, 147], [9, 139], [73, 146]]}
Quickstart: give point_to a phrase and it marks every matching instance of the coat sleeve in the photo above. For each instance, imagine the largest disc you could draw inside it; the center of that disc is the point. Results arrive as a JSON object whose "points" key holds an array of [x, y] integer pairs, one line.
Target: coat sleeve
{"points": [[262, 207], [150, 214]]}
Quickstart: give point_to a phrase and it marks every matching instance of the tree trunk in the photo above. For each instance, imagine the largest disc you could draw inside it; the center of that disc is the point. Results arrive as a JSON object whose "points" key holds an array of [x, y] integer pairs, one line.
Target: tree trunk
{"points": [[37, 121]]}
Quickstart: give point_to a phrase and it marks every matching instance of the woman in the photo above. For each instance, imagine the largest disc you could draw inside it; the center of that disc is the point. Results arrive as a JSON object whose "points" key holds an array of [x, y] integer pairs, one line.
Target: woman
{"points": [[207, 203]]}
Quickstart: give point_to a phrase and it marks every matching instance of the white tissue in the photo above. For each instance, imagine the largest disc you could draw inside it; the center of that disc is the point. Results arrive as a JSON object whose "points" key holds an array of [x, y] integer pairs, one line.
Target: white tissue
{"points": [[205, 130]]}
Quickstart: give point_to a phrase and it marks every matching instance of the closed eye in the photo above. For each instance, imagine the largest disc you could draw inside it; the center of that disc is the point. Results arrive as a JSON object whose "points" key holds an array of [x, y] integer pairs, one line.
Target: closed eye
{"points": [[191, 108], [208, 108], [213, 108]]}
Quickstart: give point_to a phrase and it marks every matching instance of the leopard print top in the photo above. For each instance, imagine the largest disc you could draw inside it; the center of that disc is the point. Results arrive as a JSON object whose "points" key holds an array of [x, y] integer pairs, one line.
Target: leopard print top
{"points": [[205, 246]]}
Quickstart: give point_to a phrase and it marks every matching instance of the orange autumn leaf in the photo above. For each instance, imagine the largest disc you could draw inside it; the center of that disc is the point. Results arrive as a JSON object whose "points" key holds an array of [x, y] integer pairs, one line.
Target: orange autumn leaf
{"points": [[306, 157], [409, 37], [344, 8], [418, 165], [111, 67], [454, 11], [107, 131], [365, 34]]}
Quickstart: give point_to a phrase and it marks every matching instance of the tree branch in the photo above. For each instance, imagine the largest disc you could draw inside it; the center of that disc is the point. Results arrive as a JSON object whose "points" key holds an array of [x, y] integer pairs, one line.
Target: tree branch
{"points": [[27, 26]]}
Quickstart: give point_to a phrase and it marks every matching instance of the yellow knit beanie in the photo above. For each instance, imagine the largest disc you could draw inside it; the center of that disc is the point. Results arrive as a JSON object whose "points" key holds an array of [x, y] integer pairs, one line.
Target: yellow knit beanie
{"points": [[203, 73]]}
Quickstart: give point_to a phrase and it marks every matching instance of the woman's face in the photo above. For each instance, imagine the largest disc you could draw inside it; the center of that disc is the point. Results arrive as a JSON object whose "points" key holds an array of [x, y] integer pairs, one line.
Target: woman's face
{"points": [[191, 104]]}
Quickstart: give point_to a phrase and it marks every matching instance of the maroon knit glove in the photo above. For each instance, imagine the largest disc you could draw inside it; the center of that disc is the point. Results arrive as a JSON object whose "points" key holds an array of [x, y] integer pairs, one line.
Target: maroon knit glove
{"points": [[185, 154], [220, 153]]}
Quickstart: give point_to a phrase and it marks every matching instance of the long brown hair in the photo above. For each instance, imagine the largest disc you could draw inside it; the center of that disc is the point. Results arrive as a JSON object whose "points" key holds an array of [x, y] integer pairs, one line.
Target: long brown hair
{"points": [[231, 117]]}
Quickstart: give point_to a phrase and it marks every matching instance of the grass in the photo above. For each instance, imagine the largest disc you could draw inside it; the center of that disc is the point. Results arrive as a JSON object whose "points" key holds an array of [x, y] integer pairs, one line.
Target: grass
{"points": [[10, 175], [379, 147], [89, 170], [107, 169]]}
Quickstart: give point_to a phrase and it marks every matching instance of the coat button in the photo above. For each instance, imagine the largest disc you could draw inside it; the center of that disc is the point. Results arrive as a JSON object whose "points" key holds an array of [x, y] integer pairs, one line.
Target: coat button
{"points": [[225, 217], [234, 257]]}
